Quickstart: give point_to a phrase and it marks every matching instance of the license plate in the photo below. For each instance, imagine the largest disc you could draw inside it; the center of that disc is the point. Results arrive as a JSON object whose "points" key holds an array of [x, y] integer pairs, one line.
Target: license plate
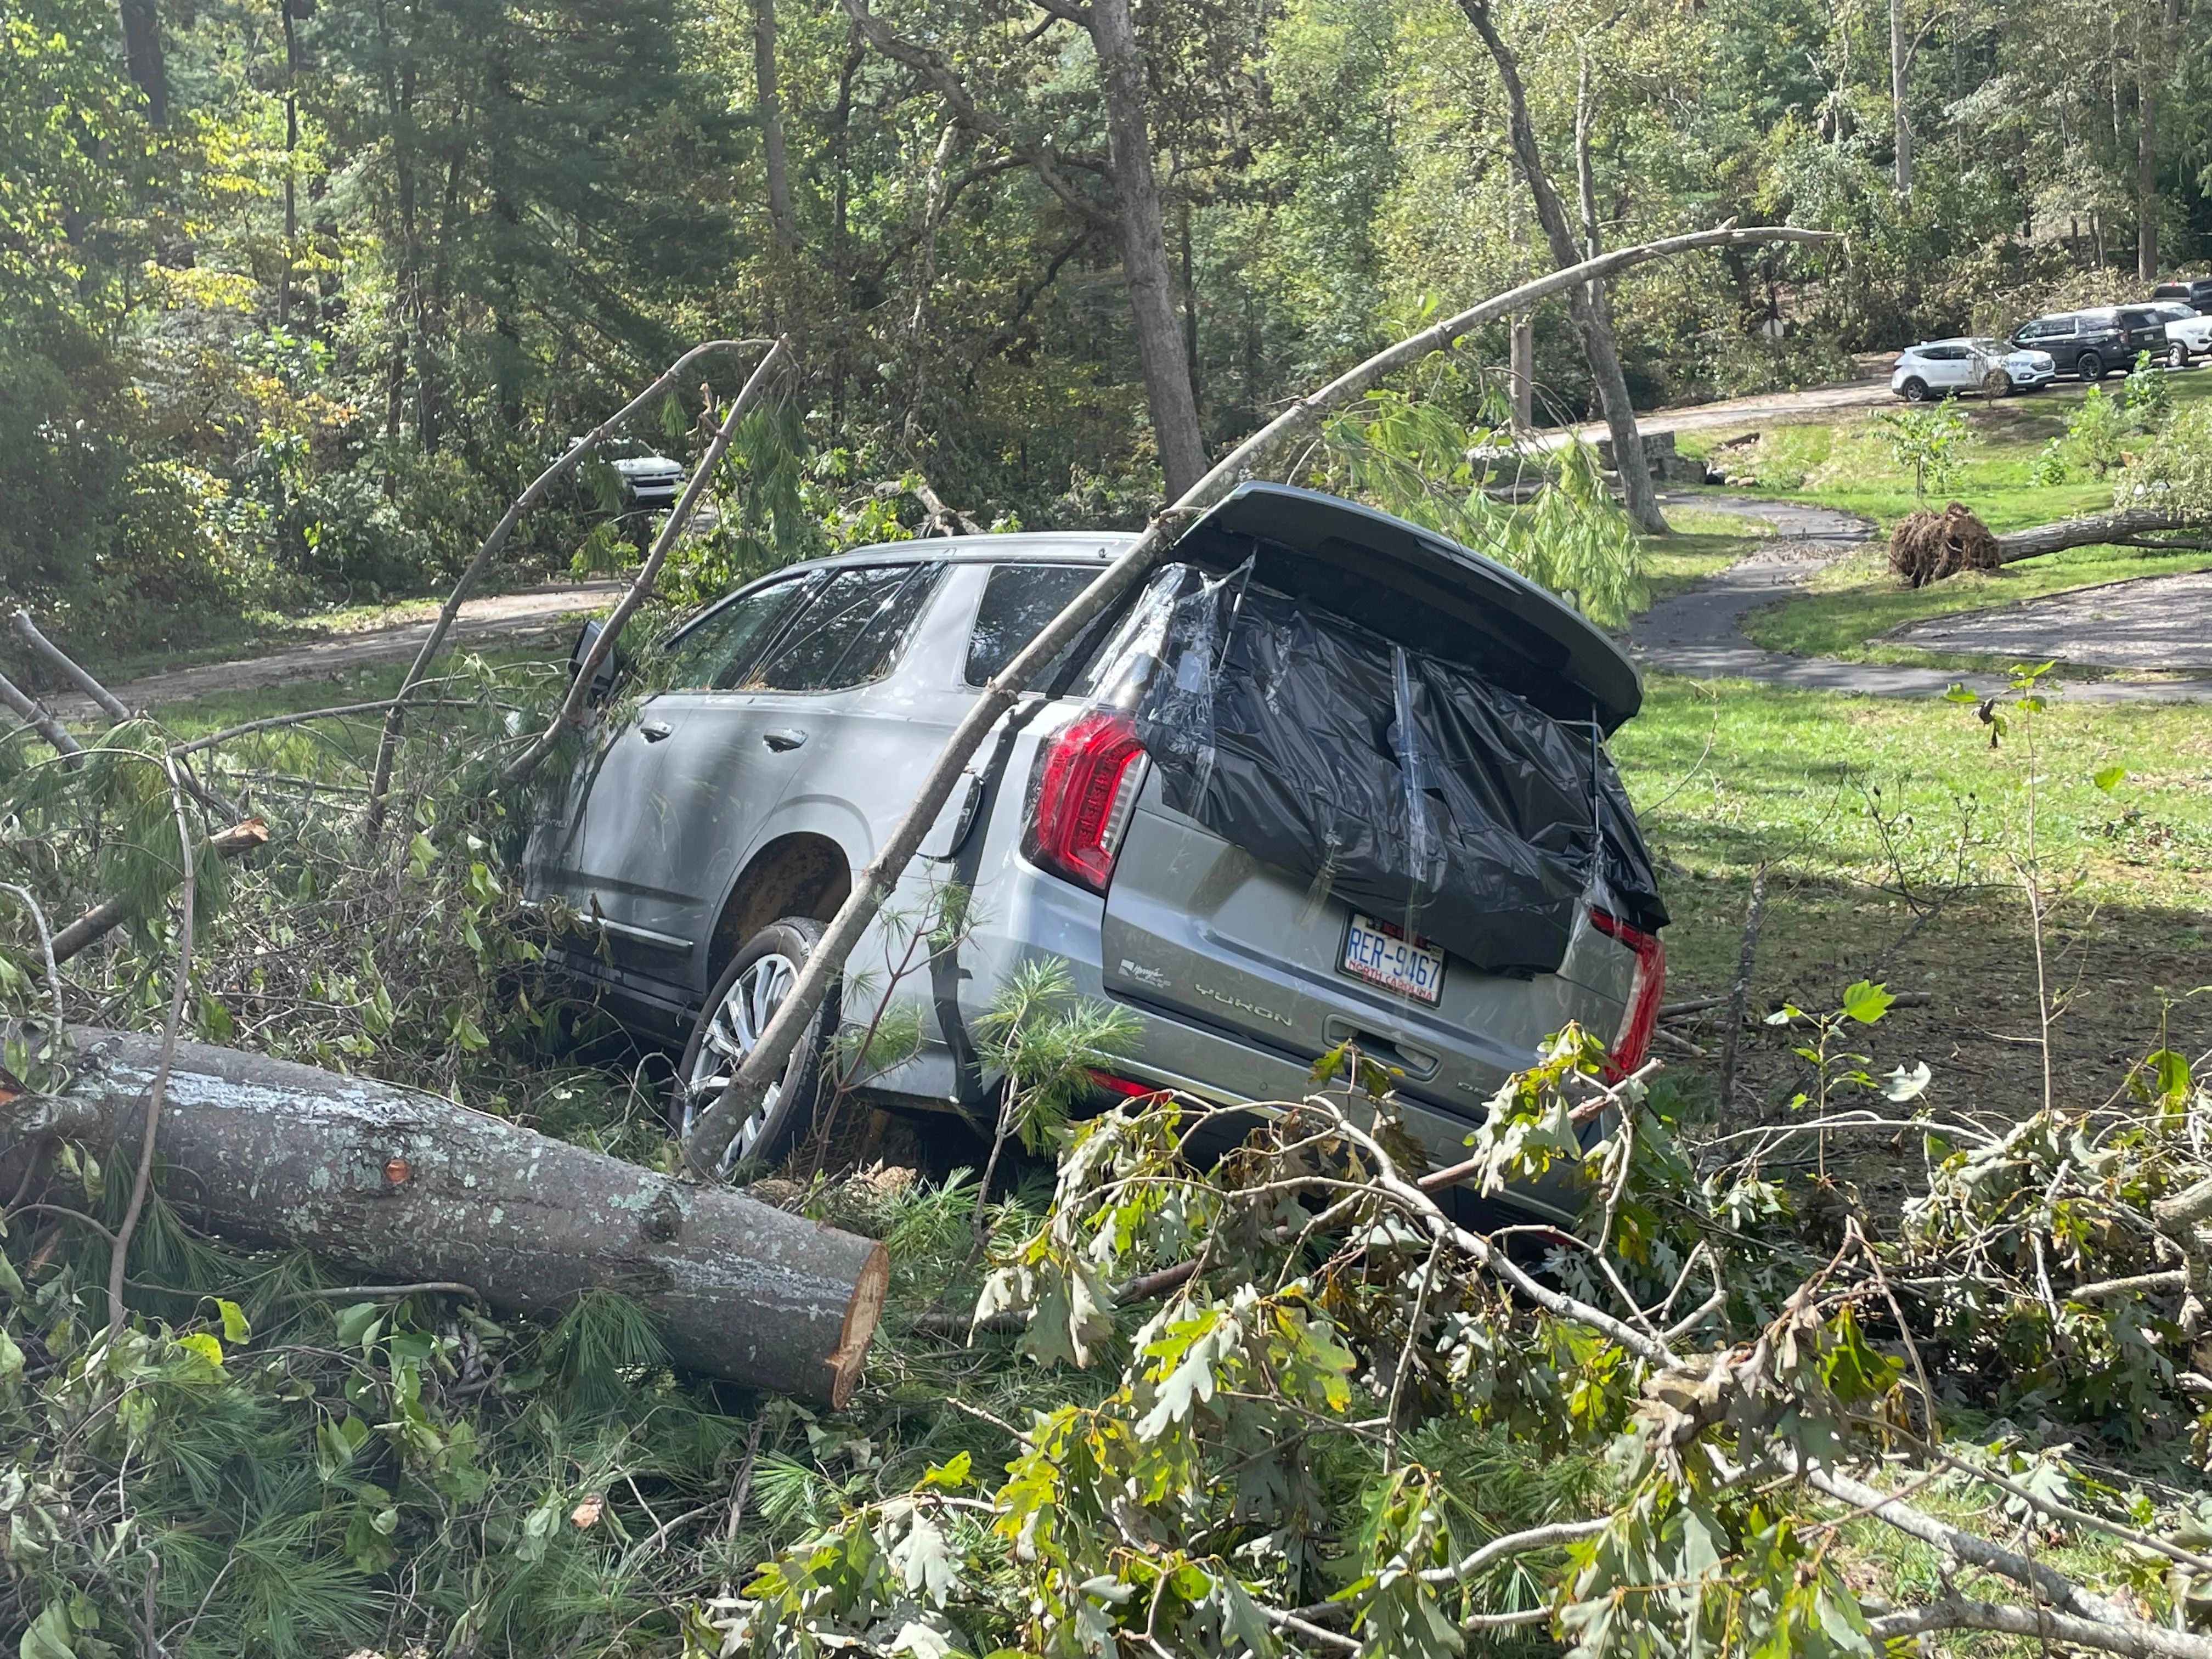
{"points": [[1384, 954]]}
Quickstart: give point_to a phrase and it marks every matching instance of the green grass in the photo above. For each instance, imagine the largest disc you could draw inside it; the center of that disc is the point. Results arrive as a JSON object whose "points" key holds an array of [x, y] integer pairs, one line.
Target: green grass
{"points": [[1729, 776], [1674, 562]]}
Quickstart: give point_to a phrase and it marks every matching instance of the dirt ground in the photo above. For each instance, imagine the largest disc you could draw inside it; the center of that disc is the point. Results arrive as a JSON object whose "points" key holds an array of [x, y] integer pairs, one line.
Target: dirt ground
{"points": [[2122, 980]]}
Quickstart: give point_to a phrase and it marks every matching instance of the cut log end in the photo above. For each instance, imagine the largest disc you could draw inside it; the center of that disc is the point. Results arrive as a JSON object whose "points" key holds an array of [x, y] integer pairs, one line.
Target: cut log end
{"points": [[859, 1330]]}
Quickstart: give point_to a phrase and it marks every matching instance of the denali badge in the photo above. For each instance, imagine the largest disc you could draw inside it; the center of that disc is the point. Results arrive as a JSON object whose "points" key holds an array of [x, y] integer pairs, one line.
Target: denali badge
{"points": [[1249, 1008]]}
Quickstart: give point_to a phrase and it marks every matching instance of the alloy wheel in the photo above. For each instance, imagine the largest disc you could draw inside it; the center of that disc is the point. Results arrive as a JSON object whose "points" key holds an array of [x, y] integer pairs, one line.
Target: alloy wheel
{"points": [[734, 1031]]}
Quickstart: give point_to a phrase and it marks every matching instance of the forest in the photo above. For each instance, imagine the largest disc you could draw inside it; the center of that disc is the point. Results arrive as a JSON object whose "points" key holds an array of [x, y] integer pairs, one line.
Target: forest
{"points": [[1468, 934]]}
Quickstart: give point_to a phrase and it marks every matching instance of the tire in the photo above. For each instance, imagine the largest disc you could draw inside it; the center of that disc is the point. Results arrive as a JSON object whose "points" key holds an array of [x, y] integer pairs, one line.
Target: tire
{"points": [[1915, 391], [2176, 355], [748, 992], [2089, 366], [1995, 384]]}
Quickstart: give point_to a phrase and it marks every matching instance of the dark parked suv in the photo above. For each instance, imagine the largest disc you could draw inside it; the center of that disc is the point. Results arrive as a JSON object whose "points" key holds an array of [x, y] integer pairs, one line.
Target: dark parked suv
{"points": [[2195, 291], [2093, 344], [1325, 777]]}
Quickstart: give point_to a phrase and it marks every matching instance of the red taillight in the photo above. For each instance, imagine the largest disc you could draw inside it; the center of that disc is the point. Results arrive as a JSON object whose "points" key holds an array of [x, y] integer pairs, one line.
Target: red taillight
{"points": [[1127, 1087], [1087, 784], [1641, 1018]]}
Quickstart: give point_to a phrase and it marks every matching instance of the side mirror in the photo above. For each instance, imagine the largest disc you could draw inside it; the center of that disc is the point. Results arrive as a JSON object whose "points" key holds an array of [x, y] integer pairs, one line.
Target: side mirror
{"points": [[603, 682]]}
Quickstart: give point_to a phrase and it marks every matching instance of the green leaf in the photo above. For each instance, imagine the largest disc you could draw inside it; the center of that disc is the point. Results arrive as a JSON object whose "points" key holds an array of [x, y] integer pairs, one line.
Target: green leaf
{"points": [[235, 1327], [2108, 778], [1958, 693], [48, 1636], [206, 1347], [358, 1324], [2169, 1072], [1867, 1003]]}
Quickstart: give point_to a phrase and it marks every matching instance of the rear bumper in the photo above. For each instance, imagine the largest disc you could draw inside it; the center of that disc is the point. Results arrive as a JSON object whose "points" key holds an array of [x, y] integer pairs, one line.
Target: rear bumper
{"points": [[1028, 916]]}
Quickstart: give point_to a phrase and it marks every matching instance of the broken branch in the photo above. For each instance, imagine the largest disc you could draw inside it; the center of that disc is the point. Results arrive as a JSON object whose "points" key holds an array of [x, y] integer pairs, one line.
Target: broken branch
{"points": [[388, 743], [571, 713]]}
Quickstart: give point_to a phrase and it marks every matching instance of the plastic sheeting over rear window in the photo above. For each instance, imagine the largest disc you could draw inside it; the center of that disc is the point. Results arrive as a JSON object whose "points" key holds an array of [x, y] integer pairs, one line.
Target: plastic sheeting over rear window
{"points": [[1403, 783]]}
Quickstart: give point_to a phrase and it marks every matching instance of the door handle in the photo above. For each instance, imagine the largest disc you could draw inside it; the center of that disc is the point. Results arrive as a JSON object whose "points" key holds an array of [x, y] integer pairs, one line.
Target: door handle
{"points": [[654, 731], [785, 741]]}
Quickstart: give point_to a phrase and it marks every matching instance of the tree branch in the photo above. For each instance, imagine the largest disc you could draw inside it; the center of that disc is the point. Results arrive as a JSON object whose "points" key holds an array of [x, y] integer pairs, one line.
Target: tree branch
{"points": [[932, 68], [2132, 1637], [571, 713], [388, 745]]}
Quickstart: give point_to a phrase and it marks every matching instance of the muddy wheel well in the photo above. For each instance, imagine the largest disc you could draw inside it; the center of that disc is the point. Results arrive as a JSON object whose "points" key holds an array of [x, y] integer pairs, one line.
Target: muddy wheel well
{"points": [[793, 876]]}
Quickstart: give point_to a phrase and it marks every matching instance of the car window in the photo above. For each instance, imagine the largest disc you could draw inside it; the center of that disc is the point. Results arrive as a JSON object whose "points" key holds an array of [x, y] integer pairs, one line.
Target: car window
{"points": [[2136, 319], [711, 653], [850, 631], [1018, 600], [1944, 354]]}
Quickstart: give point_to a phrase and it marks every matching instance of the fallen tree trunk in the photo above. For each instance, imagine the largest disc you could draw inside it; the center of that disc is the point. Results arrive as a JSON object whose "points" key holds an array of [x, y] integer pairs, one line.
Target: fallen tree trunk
{"points": [[2137, 527], [412, 1187]]}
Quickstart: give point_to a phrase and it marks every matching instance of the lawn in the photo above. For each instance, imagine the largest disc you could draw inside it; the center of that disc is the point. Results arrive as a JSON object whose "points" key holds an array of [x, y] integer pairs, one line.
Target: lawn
{"points": [[1852, 605], [1891, 830]]}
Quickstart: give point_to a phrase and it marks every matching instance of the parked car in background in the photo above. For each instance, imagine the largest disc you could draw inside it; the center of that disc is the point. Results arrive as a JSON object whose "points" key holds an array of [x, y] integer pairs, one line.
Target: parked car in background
{"points": [[2195, 291], [1197, 811], [2188, 332], [1939, 369], [2093, 344], [647, 479]]}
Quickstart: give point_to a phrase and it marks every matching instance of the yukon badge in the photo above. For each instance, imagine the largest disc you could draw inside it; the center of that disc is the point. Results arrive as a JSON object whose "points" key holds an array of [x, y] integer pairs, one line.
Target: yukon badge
{"points": [[1228, 1001]]}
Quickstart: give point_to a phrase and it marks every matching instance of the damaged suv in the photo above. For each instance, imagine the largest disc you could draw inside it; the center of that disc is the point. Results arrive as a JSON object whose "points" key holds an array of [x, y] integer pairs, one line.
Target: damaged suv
{"points": [[1325, 776]]}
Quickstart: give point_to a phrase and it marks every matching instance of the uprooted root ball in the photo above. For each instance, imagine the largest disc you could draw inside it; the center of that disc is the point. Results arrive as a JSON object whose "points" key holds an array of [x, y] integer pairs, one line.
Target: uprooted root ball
{"points": [[1927, 547]]}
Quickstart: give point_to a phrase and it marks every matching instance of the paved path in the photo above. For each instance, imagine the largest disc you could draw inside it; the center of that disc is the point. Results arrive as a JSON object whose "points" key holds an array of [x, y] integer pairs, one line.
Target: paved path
{"points": [[1785, 406], [496, 618], [1699, 632], [2153, 621]]}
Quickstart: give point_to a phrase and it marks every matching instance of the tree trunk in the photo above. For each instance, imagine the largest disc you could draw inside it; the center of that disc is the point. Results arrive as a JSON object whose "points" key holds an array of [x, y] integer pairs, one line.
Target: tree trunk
{"points": [[1900, 72], [1145, 249], [1297, 424], [1521, 371], [410, 1188], [2136, 528], [783, 221], [142, 56], [2153, 56], [1590, 323]]}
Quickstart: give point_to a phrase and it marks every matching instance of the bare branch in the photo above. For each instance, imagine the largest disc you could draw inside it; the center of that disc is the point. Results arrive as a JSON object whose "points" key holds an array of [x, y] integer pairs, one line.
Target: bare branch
{"points": [[109, 702], [2130, 1637], [388, 744], [571, 713]]}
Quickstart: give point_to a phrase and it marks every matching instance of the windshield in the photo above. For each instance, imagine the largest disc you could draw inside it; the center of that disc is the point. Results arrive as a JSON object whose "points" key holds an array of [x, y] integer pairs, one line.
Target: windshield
{"points": [[1989, 345]]}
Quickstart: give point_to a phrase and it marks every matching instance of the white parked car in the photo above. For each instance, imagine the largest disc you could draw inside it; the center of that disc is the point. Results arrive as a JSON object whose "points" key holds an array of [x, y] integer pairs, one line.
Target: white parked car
{"points": [[2188, 332], [1936, 368]]}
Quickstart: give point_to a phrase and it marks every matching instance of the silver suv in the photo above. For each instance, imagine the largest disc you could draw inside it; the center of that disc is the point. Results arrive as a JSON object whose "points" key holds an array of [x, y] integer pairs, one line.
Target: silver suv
{"points": [[1327, 776]]}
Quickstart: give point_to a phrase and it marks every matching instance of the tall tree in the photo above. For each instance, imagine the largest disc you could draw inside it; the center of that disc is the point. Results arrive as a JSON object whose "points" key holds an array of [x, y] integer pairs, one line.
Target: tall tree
{"points": [[1584, 302], [769, 108], [1134, 209], [142, 56], [2160, 38], [1900, 76]]}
